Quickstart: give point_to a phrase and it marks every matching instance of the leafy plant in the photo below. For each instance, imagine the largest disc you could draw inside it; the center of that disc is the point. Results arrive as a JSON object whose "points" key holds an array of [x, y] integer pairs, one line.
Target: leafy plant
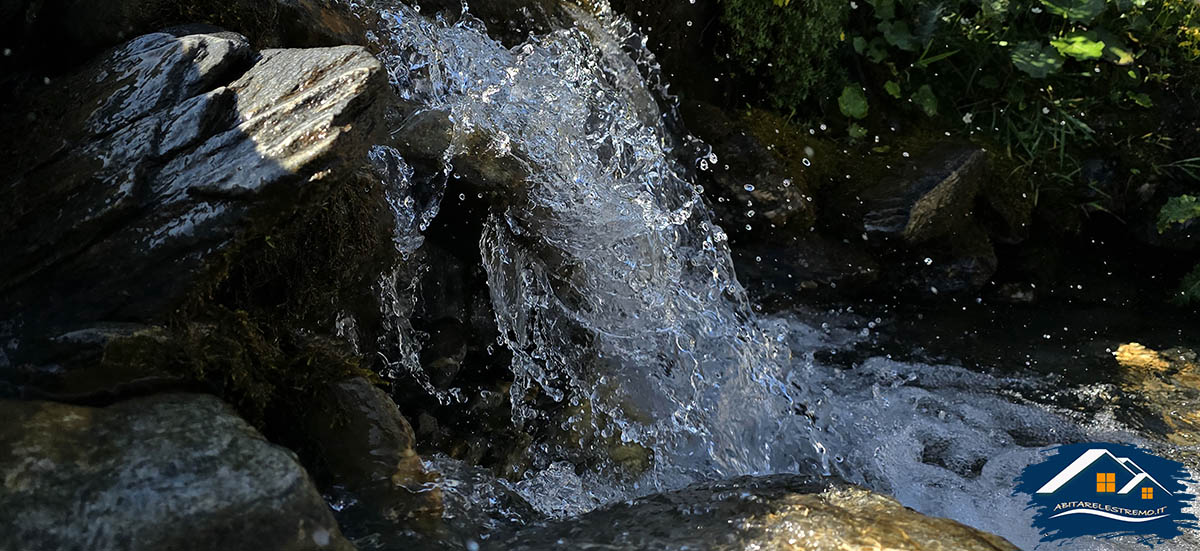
{"points": [[852, 102], [792, 44], [1178, 210]]}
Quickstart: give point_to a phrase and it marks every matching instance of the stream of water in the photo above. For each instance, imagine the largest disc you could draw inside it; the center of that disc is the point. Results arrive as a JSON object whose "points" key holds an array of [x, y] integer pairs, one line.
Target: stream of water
{"points": [[614, 290]]}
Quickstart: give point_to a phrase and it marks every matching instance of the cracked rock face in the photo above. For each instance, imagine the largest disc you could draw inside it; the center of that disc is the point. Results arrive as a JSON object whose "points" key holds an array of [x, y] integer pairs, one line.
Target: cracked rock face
{"points": [[154, 160], [176, 471]]}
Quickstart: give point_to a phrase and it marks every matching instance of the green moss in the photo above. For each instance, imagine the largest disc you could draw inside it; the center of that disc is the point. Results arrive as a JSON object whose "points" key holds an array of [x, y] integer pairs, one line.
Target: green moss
{"points": [[792, 46]]}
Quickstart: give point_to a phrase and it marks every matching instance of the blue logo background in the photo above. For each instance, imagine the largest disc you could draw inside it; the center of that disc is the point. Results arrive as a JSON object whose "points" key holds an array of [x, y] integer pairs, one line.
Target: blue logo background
{"points": [[1081, 493]]}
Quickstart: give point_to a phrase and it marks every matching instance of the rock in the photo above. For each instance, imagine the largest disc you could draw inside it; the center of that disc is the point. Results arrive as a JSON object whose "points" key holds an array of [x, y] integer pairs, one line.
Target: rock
{"points": [[177, 471], [368, 448], [1163, 387], [931, 199], [774, 512], [927, 220], [760, 177], [51, 35], [811, 267], [155, 162]]}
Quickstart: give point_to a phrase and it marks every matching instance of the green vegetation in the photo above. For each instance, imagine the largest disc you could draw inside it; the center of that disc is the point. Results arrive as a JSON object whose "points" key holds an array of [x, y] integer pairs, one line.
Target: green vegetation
{"points": [[792, 44], [1049, 84], [1181, 210]]}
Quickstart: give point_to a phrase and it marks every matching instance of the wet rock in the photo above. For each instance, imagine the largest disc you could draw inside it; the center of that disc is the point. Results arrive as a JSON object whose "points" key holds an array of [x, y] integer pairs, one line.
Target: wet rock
{"points": [[928, 220], [809, 267], [776, 512], [933, 203], [155, 162], [759, 177], [1167, 384], [177, 471], [53, 34], [367, 446]]}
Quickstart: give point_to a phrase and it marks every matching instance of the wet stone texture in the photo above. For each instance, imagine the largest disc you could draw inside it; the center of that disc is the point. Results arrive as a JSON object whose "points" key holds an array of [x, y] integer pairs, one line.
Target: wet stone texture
{"points": [[151, 163], [368, 446], [176, 471], [783, 512]]}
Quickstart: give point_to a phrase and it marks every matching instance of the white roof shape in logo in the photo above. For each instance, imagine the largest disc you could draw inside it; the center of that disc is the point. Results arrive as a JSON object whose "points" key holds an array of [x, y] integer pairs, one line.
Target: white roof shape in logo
{"points": [[1091, 456]]}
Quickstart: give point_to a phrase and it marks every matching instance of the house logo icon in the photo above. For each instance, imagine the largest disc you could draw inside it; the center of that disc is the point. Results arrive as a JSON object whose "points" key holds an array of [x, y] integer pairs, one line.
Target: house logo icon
{"points": [[1107, 490]]}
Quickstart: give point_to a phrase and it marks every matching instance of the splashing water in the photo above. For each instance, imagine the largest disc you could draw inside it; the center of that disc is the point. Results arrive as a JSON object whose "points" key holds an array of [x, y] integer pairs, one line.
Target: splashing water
{"points": [[615, 291], [610, 283]]}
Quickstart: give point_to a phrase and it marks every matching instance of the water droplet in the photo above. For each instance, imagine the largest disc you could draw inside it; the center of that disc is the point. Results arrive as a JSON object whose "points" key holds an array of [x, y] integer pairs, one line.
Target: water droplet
{"points": [[749, 187]]}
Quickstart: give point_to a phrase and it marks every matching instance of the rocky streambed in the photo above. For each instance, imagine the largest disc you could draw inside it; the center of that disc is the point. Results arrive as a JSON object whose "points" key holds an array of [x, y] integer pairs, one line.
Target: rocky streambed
{"points": [[313, 275]]}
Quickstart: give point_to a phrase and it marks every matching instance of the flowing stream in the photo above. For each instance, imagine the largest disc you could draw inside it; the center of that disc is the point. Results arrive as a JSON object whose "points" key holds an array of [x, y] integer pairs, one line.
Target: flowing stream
{"points": [[614, 290]]}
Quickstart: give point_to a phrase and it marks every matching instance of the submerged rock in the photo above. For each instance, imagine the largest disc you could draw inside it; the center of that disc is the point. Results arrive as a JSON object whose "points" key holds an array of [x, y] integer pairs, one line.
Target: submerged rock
{"points": [[775, 512], [1167, 385], [177, 471]]}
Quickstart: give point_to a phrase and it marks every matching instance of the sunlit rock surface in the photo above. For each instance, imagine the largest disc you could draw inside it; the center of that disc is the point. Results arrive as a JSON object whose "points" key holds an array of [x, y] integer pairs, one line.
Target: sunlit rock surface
{"points": [[1168, 384], [153, 161], [176, 471], [769, 513]]}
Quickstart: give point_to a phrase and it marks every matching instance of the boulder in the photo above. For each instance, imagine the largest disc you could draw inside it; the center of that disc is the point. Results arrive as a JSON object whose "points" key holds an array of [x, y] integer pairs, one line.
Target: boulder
{"points": [[50, 35], [155, 163], [368, 448], [930, 217], [774, 512], [175, 471]]}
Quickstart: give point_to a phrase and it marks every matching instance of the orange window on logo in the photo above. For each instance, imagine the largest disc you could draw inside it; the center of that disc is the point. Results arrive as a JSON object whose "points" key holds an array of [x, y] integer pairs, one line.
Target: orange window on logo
{"points": [[1147, 493], [1106, 482]]}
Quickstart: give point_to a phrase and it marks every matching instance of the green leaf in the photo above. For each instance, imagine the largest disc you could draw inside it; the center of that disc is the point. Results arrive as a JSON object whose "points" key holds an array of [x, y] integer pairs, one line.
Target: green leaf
{"points": [[1177, 211], [1036, 60], [857, 132], [1115, 49], [897, 34], [877, 50], [892, 88], [1141, 99], [1079, 45], [884, 9], [927, 61], [1077, 10], [924, 97], [853, 102], [860, 45]]}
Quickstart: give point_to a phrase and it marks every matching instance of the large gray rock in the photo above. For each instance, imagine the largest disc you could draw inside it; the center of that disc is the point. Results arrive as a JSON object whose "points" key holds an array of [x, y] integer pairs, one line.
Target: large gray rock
{"points": [[47, 35], [176, 472], [152, 162], [769, 513]]}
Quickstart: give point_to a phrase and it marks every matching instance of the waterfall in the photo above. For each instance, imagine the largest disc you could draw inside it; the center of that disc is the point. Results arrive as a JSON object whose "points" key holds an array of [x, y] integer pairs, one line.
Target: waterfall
{"points": [[614, 290]]}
